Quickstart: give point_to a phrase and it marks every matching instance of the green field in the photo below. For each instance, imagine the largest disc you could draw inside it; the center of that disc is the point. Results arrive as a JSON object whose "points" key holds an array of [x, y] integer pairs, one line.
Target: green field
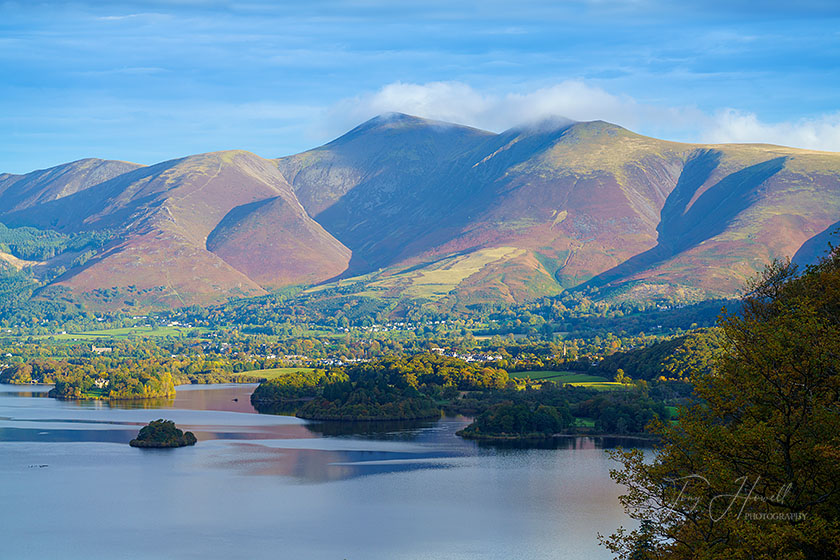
{"points": [[435, 280], [274, 372], [569, 377], [127, 332], [600, 385], [558, 376], [547, 374]]}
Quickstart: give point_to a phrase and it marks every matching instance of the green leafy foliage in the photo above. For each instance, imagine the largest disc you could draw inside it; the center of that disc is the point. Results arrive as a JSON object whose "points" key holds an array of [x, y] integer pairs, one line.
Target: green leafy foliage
{"points": [[369, 401], [293, 386], [394, 388], [134, 379], [620, 413], [674, 358], [763, 436], [16, 288], [162, 433], [519, 420]]}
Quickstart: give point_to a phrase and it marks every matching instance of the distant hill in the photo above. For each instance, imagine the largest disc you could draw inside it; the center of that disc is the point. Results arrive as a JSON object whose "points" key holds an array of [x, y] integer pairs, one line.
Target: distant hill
{"points": [[403, 207]]}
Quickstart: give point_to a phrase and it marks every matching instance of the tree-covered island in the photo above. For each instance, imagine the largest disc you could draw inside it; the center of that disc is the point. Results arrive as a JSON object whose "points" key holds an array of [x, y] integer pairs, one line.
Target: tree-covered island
{"points": [[144, 384], [162, 433]]}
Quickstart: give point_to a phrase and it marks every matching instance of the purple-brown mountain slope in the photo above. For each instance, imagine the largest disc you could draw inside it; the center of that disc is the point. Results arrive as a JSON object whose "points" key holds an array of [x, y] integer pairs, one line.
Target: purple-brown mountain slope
{"points": [[423, 209], [23, 191], [276, 243], [162, 217], [580, 202]]}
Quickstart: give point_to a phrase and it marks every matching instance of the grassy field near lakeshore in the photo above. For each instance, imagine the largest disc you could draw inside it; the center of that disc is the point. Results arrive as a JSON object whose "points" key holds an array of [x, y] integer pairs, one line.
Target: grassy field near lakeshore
{"points": [[275, 372]]}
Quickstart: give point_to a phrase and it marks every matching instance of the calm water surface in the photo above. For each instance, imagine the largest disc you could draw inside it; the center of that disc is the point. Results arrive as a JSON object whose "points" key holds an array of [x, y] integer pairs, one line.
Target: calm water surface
{"points": [[260, 486]]}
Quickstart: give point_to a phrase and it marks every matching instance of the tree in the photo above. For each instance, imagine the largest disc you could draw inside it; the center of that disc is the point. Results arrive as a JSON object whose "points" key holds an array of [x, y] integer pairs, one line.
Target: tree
{"points": [[621, 377], [752, 470]]}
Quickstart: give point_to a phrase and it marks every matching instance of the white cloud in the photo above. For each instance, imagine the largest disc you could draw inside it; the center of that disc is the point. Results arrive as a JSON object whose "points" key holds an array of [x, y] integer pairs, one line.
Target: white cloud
{"points": [[460, 103], [816, 134]]}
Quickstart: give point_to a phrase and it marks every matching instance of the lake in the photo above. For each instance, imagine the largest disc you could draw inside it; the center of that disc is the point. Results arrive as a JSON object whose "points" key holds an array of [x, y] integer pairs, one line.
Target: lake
{"points": [[261, 486]]}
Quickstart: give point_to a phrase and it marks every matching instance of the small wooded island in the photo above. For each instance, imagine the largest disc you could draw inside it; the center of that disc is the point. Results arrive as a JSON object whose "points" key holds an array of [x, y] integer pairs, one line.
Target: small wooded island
{"points": [[162, 433]]}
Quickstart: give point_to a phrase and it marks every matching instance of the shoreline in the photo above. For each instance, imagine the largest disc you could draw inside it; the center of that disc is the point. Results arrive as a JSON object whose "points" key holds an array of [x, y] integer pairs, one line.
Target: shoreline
{"points": [[548, 437], [386, 419]]}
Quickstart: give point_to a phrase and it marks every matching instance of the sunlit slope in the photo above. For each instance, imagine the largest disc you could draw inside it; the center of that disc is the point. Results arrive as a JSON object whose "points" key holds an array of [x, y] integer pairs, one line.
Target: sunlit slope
{"points": [[735, 208], [162, 217], [587, 205], [276, 243], [382, 184], [579, 197], [410, 208]]}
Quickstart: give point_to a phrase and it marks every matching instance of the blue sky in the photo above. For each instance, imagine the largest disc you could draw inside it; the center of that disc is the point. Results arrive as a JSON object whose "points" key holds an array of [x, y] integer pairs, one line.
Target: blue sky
{"points": [[154, 80]]}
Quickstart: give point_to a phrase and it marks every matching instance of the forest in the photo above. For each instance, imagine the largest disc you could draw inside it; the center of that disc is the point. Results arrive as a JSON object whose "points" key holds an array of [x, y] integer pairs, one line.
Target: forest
{"points": [[32, 244], [424, 385]]}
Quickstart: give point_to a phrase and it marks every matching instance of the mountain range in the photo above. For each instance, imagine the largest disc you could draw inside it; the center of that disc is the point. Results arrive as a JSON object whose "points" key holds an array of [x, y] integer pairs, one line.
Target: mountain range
{"points": [[404, 207]]}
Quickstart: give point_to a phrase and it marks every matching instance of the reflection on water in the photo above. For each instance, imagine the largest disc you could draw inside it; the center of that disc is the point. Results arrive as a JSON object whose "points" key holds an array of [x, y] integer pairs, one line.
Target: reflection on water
{"points": [[68, 435], [263, 486], [405, 429], [148, 404], [222, 397], [226, 397], [24, 390], [571, 442], [318, 465]]}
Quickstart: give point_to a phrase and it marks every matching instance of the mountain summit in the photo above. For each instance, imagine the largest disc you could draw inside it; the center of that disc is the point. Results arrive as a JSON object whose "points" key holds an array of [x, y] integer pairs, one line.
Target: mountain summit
{"points": [[433, 211]]}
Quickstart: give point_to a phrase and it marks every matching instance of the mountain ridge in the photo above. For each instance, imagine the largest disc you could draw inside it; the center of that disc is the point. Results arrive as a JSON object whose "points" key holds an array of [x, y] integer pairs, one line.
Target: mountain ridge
{"points": [[436, 212]]}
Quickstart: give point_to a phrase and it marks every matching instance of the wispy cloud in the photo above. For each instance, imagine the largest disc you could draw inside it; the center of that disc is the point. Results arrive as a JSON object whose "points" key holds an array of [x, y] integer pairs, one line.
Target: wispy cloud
{"points": [[128, 17], [460, 103]]}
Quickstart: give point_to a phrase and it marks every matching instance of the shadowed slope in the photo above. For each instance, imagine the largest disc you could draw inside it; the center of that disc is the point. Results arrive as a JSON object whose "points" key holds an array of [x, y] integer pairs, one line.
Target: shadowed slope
{"points": [[382, 184], [276, 243], [435, 211], [818, 246], [163, 215], [689, 219], [582, 196], [758, 203], [18, 192], [577, 197], [381, 158]]}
